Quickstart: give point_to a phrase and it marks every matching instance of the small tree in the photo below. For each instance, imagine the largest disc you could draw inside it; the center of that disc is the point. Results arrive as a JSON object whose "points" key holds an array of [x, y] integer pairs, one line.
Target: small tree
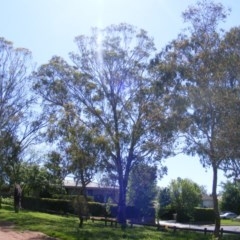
{"points": [[57, 166], [142, 187], [36, 180], [163, 202], [81, 208], [230, 197], [164, 197], [185, 196]]}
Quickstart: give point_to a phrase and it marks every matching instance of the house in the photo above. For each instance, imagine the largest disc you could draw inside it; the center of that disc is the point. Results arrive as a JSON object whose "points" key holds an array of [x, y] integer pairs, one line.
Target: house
{"points": [[98, 192], [207, 201]]}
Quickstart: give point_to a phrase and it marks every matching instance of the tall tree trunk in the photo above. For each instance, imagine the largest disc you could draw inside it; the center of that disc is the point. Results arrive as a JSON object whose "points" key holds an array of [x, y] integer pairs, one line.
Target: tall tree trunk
{"points": [[84, 186], [17, 197], [121, 217], [215, 202], [123, 183], [82, 202]]}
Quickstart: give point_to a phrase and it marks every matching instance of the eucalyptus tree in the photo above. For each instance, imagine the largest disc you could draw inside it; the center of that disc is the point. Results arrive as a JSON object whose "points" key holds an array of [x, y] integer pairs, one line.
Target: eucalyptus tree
{"points": [[230, 133], [75, 141], [18, 125], [117, 97], [13, 77], [10, 159], [110, 89], [204, 61], [57, 165], [84, 152]]}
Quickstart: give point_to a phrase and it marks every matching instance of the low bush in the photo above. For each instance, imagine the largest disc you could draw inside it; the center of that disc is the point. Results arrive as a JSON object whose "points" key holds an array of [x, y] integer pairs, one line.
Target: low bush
{"points": [[60, 206], [183, 216], [166, 213], [66, 206], [204, 215], [96, 209], [47, 205], [7, 200], [70, 197]]}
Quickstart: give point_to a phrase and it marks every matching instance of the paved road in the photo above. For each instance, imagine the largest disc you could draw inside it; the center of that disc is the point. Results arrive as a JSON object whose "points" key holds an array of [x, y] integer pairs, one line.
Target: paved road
{"points": [[209, 227]]}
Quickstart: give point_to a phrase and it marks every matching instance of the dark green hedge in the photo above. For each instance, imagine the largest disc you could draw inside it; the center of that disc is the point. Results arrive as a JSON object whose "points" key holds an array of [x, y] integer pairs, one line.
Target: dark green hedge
{"points": [[70, 197], [63, 206], [183, 217], [204, 215], [131, 211], [60, 206], [166, 213], [96, 209], [47, 205]]}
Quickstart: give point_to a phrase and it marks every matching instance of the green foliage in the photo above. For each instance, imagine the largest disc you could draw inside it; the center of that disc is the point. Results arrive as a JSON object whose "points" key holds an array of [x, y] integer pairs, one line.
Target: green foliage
{"points": [[7, 201], [108, 206], [66, 228], [47, 205], [204, 61], [37, 181], [110, 107], [70, 197], [142, 187], [96, 209], [185, 196], [18, 120], [10, 161], [60, 206], [78, 149], [80, 207], [230, 197], [6, 190], [57, 167], [112, 90], [205, 215], [166, 213], [83, 152], [164, 197]]}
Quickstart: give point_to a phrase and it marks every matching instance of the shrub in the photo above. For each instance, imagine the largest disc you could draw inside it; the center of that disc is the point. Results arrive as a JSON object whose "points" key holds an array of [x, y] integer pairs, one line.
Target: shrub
{"points": [[166, 213], [97, 209], [47, 205], [183, 216], [113, 210], [149, 216], [70, 197], [132, 212], [6, 191], [73, 206], [80, 207], [7, 200], [204, 215], [60, 206]]}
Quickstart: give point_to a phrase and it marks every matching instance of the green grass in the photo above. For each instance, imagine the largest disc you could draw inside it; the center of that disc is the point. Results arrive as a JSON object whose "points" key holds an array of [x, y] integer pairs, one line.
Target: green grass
{"points": [[66, 228], [229, 222]]}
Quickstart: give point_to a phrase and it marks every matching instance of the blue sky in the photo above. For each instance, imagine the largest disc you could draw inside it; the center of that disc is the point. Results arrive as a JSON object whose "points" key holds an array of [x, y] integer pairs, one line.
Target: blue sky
{"points": [[48, 27]]}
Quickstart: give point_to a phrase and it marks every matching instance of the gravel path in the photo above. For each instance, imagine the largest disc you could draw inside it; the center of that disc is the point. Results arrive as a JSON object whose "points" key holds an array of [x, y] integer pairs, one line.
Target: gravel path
{"points": [[8, 233]]}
